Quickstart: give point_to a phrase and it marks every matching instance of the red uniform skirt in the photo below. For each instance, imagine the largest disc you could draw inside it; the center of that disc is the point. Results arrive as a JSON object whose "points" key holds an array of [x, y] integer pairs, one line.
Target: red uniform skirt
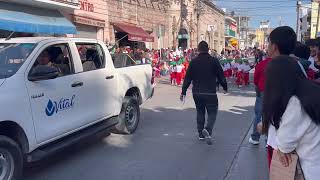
{"points": [[239, 80], [179, 77], [229, 72], [246, 78], [173, 76]]}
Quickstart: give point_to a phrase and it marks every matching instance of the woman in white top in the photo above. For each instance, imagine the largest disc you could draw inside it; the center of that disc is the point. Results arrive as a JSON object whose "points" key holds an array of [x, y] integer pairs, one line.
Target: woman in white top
{"points": [[291, 108]]}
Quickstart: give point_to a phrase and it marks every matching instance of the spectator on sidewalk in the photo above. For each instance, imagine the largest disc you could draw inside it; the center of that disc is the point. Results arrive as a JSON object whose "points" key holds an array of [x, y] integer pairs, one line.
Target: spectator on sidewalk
{"points": [[259, 81], [312, 43], [282, 41], [202, 73], [317, 60], [291, 106], [302, 53]]}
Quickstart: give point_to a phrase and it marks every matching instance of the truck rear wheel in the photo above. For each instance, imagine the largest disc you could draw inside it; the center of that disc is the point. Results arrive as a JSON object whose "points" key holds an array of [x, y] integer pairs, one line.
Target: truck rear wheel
{"points": [[129, 117], [11, 159]]}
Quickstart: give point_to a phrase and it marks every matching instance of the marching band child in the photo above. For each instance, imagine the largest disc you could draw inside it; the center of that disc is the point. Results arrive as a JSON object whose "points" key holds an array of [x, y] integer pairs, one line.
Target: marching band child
{"points": [[173, 74], [235, 66], [227, 67], [246, 69], [180, 69], [224, 68], [240, 74]]}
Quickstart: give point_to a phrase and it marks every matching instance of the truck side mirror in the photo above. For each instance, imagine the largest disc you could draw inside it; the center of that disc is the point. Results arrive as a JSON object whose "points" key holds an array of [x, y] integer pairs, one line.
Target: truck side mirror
{"points": [[43, 72]]}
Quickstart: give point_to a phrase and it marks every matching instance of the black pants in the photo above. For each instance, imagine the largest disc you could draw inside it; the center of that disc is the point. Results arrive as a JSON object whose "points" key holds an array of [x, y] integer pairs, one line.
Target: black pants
{"points": [[205, 103]]}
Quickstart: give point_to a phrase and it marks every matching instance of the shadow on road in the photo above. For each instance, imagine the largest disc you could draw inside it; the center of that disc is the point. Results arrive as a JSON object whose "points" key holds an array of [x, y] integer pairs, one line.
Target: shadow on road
{"points": [[165, 146]]}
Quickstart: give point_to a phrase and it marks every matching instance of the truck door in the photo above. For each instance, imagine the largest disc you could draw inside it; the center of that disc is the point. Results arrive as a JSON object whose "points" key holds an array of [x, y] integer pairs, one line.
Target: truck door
{"points": [[56, 103], [100, 81]]}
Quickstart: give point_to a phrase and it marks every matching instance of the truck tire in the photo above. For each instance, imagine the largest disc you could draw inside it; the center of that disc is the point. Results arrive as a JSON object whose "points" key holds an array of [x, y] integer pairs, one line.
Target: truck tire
{"points": [[129, 116], [11, 159]]}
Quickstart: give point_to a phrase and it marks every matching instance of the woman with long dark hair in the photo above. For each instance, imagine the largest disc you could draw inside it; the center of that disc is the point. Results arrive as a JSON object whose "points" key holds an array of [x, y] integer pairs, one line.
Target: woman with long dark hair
{"points": [[291, 106]]}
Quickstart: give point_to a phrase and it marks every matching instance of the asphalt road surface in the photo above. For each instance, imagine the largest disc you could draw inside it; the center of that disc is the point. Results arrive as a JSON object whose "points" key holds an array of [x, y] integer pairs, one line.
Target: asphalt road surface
{"points": [[165, 146]]}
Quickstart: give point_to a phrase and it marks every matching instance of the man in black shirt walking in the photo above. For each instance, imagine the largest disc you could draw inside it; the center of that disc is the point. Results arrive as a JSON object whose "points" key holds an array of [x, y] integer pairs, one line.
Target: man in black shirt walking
{"points": [[202, 73]]}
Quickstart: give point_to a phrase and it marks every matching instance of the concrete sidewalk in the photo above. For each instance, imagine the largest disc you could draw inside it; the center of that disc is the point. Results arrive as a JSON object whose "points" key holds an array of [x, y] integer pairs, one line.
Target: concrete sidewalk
{"points": [[250, 163]]}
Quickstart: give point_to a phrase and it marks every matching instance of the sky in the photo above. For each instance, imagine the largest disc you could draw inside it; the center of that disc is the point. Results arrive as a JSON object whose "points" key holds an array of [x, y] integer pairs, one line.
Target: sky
{"points": [[262, 10]]}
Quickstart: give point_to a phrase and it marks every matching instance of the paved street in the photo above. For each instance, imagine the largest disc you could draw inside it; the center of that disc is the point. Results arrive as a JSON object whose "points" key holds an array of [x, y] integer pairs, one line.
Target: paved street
{"points": [[165, 146]]}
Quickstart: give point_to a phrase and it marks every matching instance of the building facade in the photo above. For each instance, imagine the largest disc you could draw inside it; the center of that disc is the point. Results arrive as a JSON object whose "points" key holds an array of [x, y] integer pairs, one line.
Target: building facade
{"points": [[243, 29], [111, 21], [315, 25], [305, 22], [150, 24], [212, 26], [36, 17], [90, 19], [192, 21], [231, 35], [148, 15]]}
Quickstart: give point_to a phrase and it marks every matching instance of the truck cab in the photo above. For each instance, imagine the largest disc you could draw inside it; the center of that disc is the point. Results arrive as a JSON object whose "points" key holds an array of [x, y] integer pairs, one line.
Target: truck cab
{"points": [[55, 91]]}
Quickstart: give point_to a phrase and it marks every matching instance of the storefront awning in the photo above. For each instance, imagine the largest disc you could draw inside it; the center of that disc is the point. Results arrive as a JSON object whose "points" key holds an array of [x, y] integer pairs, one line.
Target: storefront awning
{"points": [[134, 33], [20, 18]]}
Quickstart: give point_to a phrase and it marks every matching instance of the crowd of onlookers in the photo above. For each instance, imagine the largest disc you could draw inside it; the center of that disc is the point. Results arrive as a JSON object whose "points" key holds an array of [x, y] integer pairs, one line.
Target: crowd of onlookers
{"points": [[288, 101]]}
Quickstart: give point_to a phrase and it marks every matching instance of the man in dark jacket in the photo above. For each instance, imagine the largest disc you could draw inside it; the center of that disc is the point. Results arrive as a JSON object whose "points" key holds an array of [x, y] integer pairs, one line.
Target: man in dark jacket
{"points": [[202, 73]]}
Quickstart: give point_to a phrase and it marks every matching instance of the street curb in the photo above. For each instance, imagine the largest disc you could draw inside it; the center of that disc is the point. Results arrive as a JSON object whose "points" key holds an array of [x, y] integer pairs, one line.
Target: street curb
{"points": [[237, 152]]}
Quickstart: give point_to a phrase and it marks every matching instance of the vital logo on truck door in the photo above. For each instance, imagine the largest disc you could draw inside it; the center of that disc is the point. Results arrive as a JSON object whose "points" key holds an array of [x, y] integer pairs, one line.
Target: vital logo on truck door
{"points": [[55, 107]]}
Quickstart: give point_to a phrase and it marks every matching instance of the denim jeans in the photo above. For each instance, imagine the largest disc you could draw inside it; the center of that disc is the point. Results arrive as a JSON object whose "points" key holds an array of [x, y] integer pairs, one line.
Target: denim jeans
{"points": [[205, 103], [258, 117]]}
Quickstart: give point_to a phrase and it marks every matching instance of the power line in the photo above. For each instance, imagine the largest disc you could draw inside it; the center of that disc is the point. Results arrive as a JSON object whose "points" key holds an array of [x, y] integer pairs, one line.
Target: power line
{"points": [[255, 1]]}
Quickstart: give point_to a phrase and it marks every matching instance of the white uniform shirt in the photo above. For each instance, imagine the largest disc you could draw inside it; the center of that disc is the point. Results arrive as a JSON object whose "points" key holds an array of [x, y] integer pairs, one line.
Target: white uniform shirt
{"points": [[246, 68], [223, 67], [241, 67], [227, 66], [173, 68], [232, 64], [311, 59], [179, 68], [236, 65], [298, 132]]}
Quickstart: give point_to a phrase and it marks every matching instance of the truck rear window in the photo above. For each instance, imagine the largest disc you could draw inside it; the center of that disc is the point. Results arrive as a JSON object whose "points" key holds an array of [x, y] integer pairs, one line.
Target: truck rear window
{"points": [[12, 56]]}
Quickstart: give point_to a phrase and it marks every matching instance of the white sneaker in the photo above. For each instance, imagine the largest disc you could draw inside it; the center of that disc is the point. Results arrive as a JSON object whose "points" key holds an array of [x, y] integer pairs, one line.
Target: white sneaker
{"points": [[253, 141], [207, 136]]}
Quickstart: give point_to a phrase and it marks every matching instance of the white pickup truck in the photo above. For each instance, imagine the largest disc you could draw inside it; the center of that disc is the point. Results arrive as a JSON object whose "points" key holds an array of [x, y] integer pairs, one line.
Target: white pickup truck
{"points": [[57, 91]]}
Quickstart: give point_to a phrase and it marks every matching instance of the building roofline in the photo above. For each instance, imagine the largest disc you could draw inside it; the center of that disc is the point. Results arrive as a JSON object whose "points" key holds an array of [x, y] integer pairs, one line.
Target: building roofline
{"points": [[230, 18], [213, 6]]}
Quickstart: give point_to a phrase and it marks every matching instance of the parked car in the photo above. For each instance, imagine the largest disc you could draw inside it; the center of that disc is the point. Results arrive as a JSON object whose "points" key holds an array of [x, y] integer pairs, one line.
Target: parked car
{"points": [[57, 91]]}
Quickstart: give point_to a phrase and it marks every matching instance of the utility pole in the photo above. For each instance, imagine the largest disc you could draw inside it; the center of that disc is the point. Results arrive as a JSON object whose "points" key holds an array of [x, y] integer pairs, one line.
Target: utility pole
{"points": [[317, 28], [280, 20], [191, 30], [298, 20], [198, 19]]}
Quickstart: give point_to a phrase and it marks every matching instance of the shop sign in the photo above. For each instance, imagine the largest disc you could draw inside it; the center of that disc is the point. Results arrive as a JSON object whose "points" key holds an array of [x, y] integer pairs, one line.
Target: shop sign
{"points": [[233, 27], [232, 33], [132, 37], [88, 21], [86, 6]]}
